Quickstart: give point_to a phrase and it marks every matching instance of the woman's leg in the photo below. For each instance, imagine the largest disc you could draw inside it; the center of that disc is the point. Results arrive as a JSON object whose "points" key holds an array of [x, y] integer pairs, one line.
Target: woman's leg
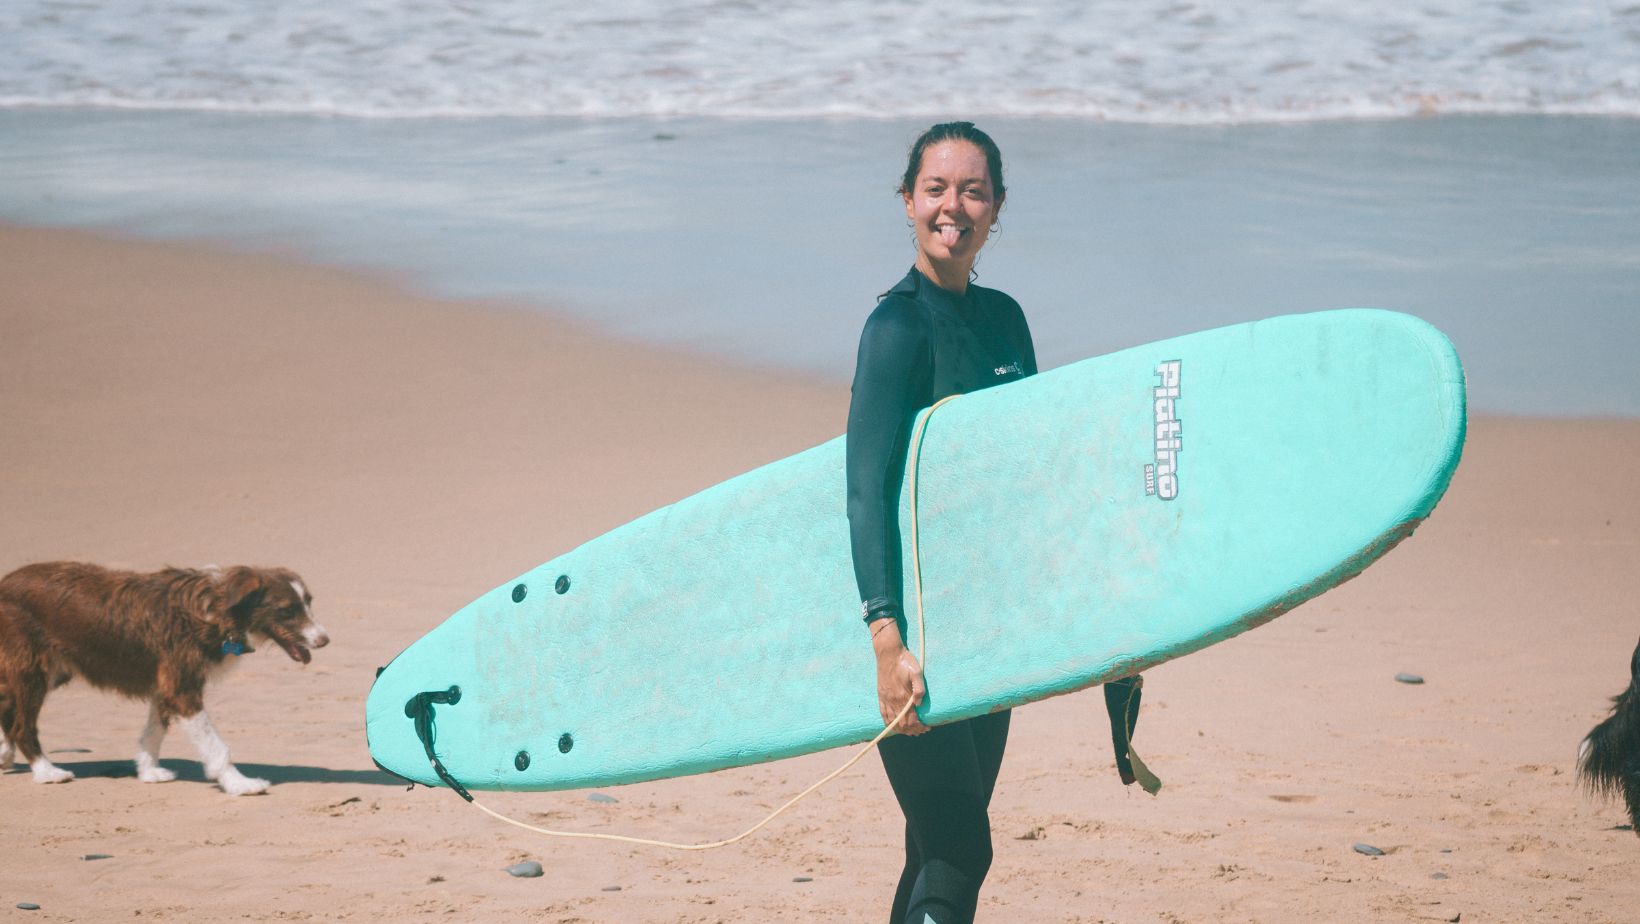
{"points": [[908, 877], [990, 740], [943, 781]]}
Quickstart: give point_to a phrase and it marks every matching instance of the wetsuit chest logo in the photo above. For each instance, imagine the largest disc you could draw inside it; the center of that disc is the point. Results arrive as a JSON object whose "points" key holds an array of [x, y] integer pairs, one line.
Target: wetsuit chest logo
{"points": [[1013, 367]]}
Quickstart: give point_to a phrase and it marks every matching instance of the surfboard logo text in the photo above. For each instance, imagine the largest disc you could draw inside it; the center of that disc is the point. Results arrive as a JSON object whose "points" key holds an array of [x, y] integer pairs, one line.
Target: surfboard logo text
{"points": [[1162, 476]]}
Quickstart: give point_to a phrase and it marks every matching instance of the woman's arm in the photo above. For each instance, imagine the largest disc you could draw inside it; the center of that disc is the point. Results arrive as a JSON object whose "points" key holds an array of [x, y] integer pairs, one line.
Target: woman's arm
{"points": [[891, 383], [1020, 333]]}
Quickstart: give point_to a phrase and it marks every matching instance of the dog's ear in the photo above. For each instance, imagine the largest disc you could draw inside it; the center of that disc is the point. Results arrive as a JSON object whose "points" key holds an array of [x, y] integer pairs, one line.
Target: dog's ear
{"points": [[242, 589]]}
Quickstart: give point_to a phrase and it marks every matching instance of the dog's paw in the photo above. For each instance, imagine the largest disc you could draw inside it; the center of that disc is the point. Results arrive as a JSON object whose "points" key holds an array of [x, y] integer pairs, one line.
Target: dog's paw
{"points": [[155, 774], [235, 783], [51, 773]]}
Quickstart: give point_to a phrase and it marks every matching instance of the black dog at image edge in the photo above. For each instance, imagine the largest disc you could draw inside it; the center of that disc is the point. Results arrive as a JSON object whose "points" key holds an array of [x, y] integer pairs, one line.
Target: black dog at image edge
{"points": [[1609, 760]]}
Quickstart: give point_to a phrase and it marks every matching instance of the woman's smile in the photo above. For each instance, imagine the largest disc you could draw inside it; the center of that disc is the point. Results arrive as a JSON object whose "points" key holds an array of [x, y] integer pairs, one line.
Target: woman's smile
{"points": [[950, 233]]}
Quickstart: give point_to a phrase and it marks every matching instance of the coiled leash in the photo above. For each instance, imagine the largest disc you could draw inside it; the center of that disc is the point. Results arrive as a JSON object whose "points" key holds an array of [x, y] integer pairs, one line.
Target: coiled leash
{"points": [[1122, 705], [420, 708]]}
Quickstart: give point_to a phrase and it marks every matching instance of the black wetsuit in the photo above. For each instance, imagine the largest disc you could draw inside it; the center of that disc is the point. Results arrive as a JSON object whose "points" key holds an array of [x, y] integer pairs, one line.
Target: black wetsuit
{"points": [[921, 344]]}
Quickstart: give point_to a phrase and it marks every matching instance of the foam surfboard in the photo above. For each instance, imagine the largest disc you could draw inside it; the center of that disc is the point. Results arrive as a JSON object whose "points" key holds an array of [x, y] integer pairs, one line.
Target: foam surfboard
{"points": [[1076, 527]]}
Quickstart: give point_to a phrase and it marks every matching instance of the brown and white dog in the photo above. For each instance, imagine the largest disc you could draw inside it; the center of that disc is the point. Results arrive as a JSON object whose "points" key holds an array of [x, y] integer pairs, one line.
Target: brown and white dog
{"points": [[1609, 760], [157, 637]]}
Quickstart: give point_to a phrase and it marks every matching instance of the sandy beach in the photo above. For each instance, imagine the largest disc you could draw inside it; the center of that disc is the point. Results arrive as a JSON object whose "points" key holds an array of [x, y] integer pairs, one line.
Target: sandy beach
{"points": [[165, 403]]}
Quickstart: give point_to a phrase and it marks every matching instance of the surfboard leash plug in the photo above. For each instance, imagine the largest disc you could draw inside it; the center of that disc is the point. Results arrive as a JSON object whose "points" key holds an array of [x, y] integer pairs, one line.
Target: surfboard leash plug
{"points": [[420, 709]]}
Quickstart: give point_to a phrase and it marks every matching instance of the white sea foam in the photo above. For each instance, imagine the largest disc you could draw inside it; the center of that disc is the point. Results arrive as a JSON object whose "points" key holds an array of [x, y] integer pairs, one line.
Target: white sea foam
{"points": [[1163, 61]]}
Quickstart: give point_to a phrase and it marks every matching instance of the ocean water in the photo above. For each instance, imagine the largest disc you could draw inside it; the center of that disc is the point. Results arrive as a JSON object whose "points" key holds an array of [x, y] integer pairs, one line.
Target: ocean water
{"points": [[1166, 61], [719, 176]]}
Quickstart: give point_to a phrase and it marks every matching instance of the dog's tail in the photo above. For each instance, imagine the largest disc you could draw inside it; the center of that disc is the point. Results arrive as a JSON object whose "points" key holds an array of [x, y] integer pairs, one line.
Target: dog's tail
{"points": [[1609, 759]]}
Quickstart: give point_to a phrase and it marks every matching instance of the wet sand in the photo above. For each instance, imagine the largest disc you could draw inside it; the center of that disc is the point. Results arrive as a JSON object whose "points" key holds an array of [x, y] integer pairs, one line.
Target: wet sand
{"points": [[174, 404]]}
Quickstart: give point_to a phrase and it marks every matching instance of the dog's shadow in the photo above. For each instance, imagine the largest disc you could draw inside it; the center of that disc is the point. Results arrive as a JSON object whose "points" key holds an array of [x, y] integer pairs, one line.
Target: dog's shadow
{"points": [[192, 771]]}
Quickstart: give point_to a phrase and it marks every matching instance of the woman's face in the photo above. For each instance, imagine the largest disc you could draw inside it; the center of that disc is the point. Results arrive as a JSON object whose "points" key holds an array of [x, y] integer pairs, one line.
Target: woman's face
{"points": [[952, 205]]}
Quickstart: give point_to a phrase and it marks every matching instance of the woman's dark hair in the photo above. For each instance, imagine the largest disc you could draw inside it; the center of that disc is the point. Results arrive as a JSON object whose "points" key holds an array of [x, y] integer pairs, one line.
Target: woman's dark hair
{"points": [[955, 131]]}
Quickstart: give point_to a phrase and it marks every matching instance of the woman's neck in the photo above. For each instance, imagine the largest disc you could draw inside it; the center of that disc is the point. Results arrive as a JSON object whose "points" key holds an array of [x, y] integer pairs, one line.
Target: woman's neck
{"points": [[947, 275]]}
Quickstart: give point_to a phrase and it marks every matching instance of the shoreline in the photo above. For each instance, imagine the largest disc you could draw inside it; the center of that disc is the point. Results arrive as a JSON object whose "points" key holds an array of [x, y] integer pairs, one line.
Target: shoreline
{"points": [[164, 403], [1515, 235]]}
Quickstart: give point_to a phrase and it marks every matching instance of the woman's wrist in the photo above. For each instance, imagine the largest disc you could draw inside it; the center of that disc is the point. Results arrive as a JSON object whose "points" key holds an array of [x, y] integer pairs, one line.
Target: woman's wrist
{"points": [[885, 639]]}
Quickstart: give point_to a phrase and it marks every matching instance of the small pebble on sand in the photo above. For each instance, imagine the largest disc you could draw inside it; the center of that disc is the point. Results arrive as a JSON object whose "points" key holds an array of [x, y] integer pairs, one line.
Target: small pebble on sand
{"points": [[600, 797], [28, 906], [612, 888], [97, 856], [529, 869], [1437, 875], [802, 879], [1369, 850], [1408, 678]]}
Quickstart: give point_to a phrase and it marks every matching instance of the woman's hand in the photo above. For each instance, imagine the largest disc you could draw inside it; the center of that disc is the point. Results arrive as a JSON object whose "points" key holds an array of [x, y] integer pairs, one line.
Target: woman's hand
{"points": [[899, 678]]}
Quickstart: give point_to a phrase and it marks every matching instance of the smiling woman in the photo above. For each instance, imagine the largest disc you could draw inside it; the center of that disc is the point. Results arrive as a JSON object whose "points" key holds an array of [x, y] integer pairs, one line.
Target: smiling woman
{"points": [[934, 334], [953, 193]]}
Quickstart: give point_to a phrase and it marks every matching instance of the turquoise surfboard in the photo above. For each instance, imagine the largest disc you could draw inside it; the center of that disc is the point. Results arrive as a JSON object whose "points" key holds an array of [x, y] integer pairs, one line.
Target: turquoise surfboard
{"points": [[1076, 527]]}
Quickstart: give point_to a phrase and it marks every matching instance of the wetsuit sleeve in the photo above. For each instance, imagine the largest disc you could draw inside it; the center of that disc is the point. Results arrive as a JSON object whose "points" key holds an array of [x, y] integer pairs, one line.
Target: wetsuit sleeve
{"points": [[1020, 333], [892, 379]]}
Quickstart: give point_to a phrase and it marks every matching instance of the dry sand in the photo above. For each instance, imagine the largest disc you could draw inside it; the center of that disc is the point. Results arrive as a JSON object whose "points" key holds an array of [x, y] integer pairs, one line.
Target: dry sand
{"points": [[170, 404]]}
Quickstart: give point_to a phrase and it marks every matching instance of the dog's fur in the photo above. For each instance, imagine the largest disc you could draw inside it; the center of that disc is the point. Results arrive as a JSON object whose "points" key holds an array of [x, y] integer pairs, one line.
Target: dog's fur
{"points": [[157, 637], [1609, 760]]}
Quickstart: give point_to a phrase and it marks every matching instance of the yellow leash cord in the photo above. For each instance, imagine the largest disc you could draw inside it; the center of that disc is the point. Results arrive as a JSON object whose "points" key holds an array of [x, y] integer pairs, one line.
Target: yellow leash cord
{"points": [[1147, 780], [914, 454]]}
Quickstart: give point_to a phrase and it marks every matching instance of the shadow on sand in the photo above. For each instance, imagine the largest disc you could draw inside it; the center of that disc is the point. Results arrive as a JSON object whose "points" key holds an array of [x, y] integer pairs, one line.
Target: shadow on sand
{"points": [[193, 771]]}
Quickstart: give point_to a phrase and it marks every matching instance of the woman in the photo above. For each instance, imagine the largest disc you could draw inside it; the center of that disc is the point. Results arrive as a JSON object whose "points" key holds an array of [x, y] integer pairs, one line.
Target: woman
{"points": [[933, 334]]}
